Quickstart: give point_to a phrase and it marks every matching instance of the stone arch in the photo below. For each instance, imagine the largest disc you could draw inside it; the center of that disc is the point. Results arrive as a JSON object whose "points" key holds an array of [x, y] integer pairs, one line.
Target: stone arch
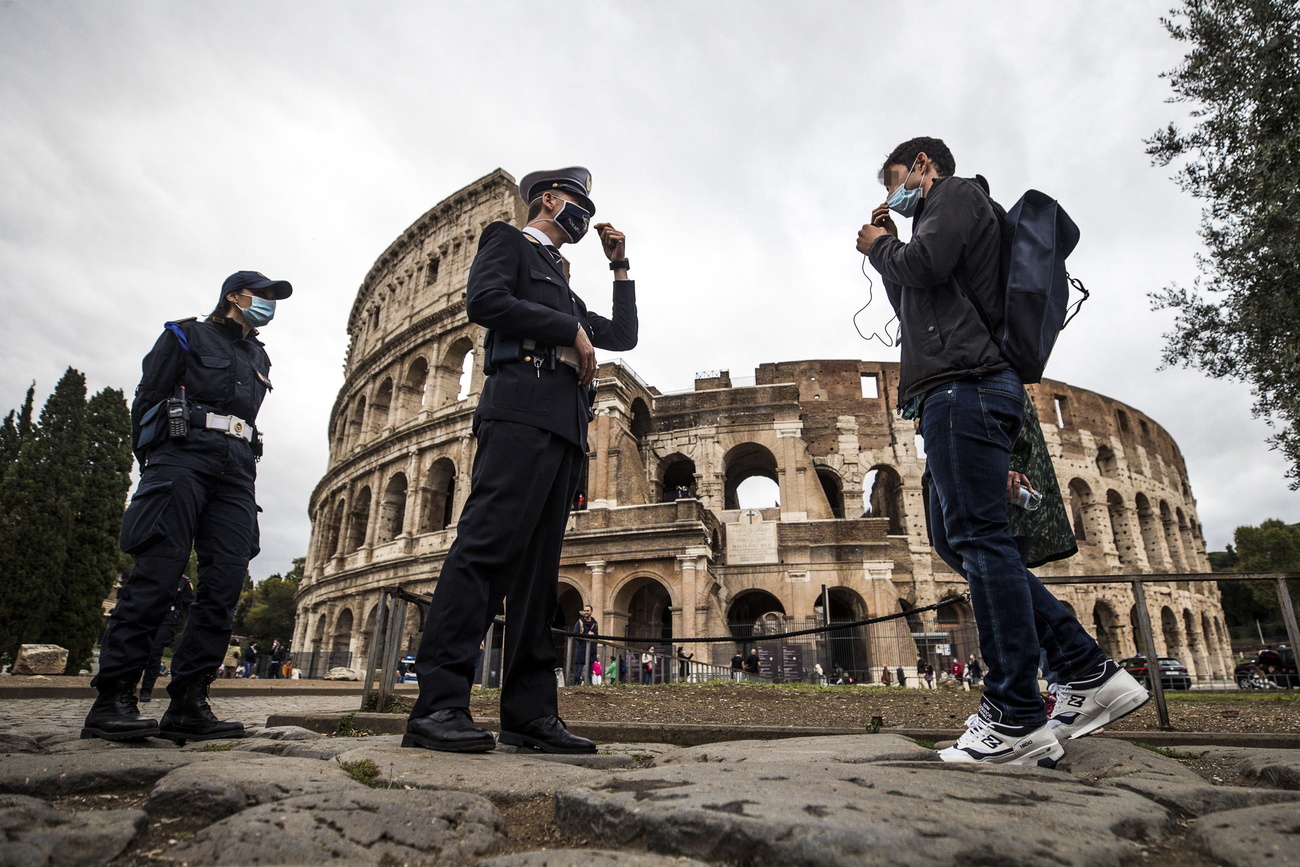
{"points": [[1119, 530], [1211, 645], [675, 471], [958, 620], [380, 407], [412, 391], [751, 613], [392, 509], [1197, 664], [318, 652], [1106, 629], [1080, 496], [367, 635], [455, 371], [340, 431], [568, 607], [1170, 630], [1152, 538], [883, 497], [357, 422], [833, 488], [1107, 463], [438, 496], [359, 520], [645, 603], [335, 528], [641, 420], [341, 641], [1172, 539], [848, 648], [747, 461], [1188, 540]]}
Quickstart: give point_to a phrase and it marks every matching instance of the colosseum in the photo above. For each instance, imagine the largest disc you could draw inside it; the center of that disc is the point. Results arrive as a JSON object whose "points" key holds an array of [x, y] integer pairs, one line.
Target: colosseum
{"points": [[665, 542]]}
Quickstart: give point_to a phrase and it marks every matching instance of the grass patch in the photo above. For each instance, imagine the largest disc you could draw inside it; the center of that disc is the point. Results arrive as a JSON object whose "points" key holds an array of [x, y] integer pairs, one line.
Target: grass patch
{"points": [[923, 743], [347, 727], [395, 705], [363, 771], [218, 748], [1167, 752], [1212, 697]]}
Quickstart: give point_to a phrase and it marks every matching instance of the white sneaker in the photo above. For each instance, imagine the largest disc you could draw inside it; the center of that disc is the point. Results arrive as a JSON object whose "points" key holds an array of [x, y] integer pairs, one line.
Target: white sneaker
{"points": [[989, 742], [1083, 706]]}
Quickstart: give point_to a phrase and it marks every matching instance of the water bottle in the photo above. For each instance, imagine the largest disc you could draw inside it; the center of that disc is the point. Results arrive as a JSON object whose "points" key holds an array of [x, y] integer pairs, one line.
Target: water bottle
{"points": [[1029, 500]]}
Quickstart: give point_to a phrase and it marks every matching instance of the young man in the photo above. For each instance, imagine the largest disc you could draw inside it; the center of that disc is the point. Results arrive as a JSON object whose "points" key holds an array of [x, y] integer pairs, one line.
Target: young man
{"points": [[193, 428], [969, 403], [584, 652], [531, 426]]}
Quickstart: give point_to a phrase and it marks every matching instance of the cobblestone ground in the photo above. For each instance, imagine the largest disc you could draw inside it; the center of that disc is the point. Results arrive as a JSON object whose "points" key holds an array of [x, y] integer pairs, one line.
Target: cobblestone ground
{"points": [[250, 710]]}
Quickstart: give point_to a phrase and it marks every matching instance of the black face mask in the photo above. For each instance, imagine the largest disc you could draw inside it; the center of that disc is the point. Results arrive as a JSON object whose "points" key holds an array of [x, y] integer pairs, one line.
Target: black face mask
{"points": [[572, 220]]}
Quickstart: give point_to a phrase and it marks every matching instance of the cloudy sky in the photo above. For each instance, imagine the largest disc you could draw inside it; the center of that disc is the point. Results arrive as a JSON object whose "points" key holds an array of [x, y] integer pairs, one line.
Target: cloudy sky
{"points": [[150, 148]]}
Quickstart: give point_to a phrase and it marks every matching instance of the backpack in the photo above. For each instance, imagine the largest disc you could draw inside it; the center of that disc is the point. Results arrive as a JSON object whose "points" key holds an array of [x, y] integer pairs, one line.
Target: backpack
{"points": [[1037, 236]]}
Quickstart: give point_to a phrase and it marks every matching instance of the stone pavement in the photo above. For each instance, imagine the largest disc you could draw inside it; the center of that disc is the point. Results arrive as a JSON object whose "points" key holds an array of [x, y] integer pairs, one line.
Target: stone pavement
{"points": [[288, 795]]}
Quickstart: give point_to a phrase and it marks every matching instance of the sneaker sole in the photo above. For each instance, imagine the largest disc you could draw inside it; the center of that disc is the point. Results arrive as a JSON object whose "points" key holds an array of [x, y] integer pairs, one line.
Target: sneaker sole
{"points": [[423, 743], [518, 740], [1118, 709]]}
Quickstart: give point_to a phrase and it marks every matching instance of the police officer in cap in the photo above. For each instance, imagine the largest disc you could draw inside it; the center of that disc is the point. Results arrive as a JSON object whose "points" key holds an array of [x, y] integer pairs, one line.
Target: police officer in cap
{"points": [[194, 433], [531, 426]]}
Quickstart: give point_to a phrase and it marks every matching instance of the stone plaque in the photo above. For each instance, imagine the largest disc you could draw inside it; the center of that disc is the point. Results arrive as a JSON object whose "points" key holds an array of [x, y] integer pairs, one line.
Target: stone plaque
{"points": [[751, 542]]}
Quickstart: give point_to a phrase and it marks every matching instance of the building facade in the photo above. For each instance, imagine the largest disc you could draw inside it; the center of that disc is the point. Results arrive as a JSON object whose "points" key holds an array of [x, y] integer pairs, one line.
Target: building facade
{"points": [[662, 545]]}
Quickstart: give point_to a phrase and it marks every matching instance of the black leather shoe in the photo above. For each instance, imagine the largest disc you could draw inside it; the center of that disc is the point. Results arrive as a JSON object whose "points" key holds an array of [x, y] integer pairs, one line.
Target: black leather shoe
{"points": [[189, 717], [450, 730], [548, 735], [115, 716]]}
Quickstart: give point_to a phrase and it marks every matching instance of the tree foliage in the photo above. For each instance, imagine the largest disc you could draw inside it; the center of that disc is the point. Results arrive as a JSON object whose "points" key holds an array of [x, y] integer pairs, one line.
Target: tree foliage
{"points": [[1241, 319], [1273, 546], [269, 613]]}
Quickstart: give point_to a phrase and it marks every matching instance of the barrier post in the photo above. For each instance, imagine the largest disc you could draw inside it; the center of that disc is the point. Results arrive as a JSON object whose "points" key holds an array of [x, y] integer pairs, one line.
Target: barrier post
{"points": [[392, 640], [1288, 614], [485, 662], [376, 647], [1153, 659]]}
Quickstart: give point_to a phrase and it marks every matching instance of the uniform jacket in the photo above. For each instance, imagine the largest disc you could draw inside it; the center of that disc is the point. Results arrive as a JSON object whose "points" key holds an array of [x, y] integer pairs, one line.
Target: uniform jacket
{"points": [[223, 372], [955, 246], [516, 288]]}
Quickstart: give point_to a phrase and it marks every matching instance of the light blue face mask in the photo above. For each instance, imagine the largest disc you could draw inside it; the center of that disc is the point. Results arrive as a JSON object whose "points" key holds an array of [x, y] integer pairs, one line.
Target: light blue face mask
{"points": [[902, 200], [260, 312]]}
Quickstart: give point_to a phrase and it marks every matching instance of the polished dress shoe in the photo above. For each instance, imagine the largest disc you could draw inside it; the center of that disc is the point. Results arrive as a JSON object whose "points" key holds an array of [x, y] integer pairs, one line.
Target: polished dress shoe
{"points": [[451, 730], [547, 734]]}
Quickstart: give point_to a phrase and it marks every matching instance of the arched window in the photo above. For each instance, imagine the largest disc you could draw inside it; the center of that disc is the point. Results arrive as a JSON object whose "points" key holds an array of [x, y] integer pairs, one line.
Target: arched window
{"points": [[438, 496], [358, 520], [1115, 509], [335, 528], [884, 497], [678, 472], [746, 462], [1107, 465], [412, 394], [1080, 496], [1105, 627], [1149, 524], [833, 488], [1172, 538], [641, 422], [357, 423], [454, 371], [392, 510], [379, 409]]}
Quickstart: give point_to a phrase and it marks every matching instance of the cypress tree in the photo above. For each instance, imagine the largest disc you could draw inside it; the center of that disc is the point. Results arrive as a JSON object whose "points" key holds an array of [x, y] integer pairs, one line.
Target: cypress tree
{"points": [[93, 558], [17, 427], [39, 498]]}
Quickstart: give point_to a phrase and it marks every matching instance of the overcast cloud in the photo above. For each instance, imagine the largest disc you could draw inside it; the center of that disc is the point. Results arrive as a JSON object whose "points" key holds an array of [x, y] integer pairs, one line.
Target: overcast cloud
{"points": [[150, 149]]}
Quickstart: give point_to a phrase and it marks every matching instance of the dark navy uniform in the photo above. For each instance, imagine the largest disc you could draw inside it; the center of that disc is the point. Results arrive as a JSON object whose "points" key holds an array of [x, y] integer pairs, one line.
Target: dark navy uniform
{"points": [[163, 637], [194, 492], [531, 426]]}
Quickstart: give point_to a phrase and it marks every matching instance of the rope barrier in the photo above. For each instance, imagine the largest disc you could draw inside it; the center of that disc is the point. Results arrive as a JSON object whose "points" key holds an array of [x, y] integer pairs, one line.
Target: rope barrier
{"points": [[425, 601]]}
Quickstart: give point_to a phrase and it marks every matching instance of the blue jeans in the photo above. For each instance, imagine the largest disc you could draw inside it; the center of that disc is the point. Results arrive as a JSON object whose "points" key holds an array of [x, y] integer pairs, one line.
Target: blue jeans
{"points": [[969, 427]]}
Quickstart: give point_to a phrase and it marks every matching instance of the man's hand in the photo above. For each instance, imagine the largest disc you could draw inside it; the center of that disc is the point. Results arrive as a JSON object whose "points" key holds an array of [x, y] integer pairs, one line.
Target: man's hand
{"points": [[880, 217], [586, 356], [1016, 481], [612, 240], [867, 236]]}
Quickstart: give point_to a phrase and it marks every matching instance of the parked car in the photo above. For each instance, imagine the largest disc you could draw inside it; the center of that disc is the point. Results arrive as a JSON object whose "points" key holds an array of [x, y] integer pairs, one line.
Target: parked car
{"points": [[1276, 666], [1173, 674]]}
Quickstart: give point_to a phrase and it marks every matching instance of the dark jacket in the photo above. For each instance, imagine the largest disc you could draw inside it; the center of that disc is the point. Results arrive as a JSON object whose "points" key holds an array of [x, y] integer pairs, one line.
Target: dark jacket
{"points": [[956, 239], [223, 372], [516, 289]]}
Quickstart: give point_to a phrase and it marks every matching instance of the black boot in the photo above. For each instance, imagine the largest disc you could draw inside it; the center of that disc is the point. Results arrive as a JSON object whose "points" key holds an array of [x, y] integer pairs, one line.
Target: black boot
{"points": [[115, 717], [190, 717]]}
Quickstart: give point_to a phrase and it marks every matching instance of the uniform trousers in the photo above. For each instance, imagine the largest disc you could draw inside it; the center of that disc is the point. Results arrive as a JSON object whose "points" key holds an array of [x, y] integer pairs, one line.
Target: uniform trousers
{"points": [[507, 546], [176, 509]]}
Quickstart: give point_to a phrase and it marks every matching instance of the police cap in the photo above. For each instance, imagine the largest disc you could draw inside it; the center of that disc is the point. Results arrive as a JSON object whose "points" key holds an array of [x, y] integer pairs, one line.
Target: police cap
{"points": [[574, 180], [255, 281]]}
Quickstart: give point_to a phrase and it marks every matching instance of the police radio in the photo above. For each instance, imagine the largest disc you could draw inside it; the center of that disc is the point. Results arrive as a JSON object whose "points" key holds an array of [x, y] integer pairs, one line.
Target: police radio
{"points": [[178, 417]]}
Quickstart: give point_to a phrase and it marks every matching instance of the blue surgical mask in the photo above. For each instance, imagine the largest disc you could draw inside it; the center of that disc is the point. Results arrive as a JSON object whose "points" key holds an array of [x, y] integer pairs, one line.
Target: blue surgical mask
{"points": [[904, 201], [260, 312], [572, 220]]}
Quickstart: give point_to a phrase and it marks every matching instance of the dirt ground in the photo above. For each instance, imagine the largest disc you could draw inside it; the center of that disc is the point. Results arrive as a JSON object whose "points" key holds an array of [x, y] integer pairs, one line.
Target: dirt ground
{"points": [[854, 706]]}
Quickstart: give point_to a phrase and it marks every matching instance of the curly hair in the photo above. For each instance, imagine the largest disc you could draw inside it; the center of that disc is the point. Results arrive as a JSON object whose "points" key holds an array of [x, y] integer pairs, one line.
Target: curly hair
{"points": [[935, 149]]}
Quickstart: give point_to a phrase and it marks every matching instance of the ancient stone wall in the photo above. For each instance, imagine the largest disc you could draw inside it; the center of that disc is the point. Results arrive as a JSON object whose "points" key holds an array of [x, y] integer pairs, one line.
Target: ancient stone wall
{"points": [[848, 513]]}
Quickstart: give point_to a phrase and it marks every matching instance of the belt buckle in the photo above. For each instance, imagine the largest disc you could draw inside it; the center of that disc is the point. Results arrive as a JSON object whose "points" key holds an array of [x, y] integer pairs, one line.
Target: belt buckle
{"points": [[237, 426]]}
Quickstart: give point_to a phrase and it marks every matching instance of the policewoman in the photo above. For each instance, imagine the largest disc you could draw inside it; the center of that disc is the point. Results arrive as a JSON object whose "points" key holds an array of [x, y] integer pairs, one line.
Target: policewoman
{"points": [[195, 435], [531, 427]]}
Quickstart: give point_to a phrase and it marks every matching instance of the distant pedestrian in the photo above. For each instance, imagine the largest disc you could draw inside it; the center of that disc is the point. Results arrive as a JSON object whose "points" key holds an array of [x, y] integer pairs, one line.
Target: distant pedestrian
{"points": [[901, 675], [250, 659], [278, 653], [819, 676], [231, 662], [597, 673], [738, 666], [974, 671], [647, 665], [885, 679], [683, 664], [929, 676], [584, 652], [751, 663]]}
